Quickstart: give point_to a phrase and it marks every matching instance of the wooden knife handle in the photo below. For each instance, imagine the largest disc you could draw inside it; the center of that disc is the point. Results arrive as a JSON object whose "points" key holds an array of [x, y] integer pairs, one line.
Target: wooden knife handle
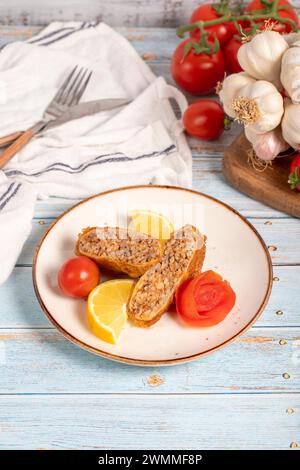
{"points": [[9, 138], [15, 147]]}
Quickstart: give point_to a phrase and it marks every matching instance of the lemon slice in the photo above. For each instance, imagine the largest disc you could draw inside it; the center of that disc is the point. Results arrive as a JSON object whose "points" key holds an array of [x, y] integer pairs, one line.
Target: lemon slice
{"points": [[107, 308], [152, 223]]}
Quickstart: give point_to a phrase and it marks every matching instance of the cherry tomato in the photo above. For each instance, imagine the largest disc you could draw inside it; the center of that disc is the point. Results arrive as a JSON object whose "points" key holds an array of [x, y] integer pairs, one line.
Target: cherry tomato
{"points": [[205, 300], [206, 12], [197, 73], [294, 176], [289, 13], [204, 119], [78, 276], [230, 54]]}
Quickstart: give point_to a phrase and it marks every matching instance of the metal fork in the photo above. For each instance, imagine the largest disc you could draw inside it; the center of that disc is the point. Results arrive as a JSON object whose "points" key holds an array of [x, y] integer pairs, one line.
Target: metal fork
{"points": [[68, 95]]}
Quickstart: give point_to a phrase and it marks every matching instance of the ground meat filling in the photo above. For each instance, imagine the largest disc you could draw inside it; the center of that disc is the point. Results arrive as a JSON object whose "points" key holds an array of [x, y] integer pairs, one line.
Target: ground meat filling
{"points": [[160, 281], [121, 244]]}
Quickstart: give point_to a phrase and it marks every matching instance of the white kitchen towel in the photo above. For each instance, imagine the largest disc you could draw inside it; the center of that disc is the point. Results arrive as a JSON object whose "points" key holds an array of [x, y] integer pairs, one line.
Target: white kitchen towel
{"points": [[141, 143]]}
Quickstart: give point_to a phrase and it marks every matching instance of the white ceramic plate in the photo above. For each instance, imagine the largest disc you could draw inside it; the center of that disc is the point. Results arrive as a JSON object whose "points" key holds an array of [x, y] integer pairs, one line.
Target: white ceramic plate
{"points": [[234, 249]]}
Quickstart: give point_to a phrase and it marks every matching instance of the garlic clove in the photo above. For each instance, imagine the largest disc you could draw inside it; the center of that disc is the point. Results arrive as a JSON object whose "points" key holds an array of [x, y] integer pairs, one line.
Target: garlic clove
{"points": [[290, 72], [259, 105], [290, 124], [261, 57], [230, 90], [268, 145]]}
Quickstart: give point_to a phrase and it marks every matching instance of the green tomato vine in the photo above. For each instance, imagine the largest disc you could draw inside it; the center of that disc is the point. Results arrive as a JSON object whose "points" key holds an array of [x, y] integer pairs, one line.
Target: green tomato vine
{"points": [[269, 12]]}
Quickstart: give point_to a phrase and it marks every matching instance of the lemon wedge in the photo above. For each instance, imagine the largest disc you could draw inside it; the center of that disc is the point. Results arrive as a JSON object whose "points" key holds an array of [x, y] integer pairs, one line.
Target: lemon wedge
{"points": [[152, 223], [107, 308]]}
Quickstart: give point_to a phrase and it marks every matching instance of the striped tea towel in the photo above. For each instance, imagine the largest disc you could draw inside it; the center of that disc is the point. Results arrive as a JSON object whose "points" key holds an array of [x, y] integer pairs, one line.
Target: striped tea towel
{"points": [[141, 143]]}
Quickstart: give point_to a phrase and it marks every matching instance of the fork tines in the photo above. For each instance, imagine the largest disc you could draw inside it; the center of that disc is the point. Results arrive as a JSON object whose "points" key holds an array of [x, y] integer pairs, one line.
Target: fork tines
{"points": [[73, 87]]}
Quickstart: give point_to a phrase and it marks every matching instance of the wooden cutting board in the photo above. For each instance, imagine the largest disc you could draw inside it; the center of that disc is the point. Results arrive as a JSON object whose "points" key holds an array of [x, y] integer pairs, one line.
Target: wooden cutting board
{"points": [[269, 186]]}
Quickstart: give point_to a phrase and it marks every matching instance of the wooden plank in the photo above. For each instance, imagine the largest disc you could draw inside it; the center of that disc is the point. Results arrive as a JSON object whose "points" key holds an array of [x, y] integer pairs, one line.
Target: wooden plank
{"points": [[114, 12], [282, 238], [149, 422], [35, 361], [20, 308], [283, 308], [208, 178], [281, 235], [260, 184]]}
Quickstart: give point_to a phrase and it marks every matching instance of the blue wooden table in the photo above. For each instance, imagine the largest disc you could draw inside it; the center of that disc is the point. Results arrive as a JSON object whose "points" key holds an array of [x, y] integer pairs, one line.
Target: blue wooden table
{"points": [[57, 396]]}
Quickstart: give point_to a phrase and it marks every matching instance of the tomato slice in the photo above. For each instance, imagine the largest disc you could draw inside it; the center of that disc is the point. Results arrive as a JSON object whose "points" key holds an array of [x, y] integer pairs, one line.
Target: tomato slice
{"points": [[205, 300], [209, 276], [208, 296], [185, 301], [186, 294]]}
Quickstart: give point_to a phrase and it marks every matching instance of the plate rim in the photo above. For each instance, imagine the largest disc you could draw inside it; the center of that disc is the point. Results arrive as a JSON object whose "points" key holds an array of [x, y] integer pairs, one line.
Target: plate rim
{"points": [[145, 362]]}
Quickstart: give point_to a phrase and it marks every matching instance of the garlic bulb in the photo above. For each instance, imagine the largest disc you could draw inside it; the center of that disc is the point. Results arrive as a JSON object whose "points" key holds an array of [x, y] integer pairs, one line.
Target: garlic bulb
{"points": [[259, 106], [290, 124], [268, 145], [230, 90], [261, 57], [290, 72]]}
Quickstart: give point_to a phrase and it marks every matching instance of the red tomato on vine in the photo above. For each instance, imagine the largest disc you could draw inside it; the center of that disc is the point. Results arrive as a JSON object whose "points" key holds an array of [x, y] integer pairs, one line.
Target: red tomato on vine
{"points": [[207, 12], [197, 72], [289, 13], [230, 54]]}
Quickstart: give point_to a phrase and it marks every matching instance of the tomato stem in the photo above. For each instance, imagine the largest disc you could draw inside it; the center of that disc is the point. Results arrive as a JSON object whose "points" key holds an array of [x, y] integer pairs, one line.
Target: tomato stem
{"points": [[222, 7], [269, 12], [203, 46], [294, 179], [227, 122]]}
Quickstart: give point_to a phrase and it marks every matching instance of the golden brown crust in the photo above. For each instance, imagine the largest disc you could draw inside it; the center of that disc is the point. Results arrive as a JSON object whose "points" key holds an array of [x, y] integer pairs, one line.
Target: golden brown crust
{"points": [[127, 252], [194, 266]]}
